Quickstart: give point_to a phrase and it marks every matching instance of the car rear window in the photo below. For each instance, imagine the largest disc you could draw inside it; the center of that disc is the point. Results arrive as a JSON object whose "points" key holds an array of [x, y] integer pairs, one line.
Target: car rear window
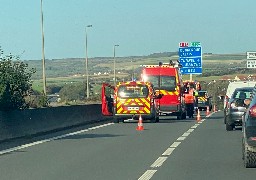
{"points": [[242, 94], [137, 91]]}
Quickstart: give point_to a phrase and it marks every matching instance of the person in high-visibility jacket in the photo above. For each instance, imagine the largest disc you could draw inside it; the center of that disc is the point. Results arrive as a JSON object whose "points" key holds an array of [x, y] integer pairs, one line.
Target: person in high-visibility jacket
{"points": [[189, 100]]}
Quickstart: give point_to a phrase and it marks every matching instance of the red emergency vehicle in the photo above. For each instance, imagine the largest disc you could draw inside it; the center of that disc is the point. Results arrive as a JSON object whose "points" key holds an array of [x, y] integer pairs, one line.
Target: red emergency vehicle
{"points": [[130, 100], [167, 81]]}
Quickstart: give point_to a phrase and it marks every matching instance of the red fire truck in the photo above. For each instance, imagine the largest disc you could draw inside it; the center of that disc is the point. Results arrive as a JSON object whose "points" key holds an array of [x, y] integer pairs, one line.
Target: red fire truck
{"points": [[130, 100], [167, 81]]}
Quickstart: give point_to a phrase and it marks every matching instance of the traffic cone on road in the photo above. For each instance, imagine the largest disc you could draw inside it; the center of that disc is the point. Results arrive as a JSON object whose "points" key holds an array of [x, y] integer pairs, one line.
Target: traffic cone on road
{"points": [[140, 125], [198, 117], [207, 111]]}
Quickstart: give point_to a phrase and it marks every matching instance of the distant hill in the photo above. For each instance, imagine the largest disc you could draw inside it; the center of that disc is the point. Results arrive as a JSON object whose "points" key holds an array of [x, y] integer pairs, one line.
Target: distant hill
{"points": [[76, 66]]}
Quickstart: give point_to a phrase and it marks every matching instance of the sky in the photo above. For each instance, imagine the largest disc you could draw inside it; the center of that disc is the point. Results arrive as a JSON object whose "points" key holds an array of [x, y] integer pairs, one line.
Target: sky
{"points": [[139, 27]]}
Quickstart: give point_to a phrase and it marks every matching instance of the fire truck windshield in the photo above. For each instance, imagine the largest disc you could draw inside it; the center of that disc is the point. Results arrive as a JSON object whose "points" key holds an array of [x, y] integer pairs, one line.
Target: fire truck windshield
{"points": [[163, 82], [138, 91]]}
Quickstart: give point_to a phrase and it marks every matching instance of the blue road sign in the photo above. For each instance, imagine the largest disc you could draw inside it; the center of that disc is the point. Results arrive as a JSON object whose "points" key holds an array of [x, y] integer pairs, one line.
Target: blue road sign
{"points": [[191, 59], [191, 70], [191, 62], [190, 51]]}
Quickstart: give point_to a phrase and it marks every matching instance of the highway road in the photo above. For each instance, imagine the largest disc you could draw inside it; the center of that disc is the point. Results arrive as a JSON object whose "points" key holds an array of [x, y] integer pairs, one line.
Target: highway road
{"points": [[172, 149]]}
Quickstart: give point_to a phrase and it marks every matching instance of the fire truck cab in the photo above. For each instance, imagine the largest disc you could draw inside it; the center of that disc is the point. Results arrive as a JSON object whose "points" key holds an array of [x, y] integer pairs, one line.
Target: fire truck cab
{"points": [[130, 100], [166, 79]]}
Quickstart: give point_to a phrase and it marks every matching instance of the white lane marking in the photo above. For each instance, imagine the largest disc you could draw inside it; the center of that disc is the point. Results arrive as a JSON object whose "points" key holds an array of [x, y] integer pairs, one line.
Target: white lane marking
{"points": [[159, 162], [186, 134], [190, 130], [181, 138], [148, 175], [175, 144], [50, 139], [168, 152]]}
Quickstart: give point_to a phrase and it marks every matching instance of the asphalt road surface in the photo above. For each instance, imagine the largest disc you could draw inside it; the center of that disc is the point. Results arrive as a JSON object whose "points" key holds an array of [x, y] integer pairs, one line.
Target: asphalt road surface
{"points": [[172, 149]]}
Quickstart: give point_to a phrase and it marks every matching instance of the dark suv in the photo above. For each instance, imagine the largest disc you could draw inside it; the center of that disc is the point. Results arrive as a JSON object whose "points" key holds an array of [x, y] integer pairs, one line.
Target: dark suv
{"points": [[249, 135], [236, 107]]}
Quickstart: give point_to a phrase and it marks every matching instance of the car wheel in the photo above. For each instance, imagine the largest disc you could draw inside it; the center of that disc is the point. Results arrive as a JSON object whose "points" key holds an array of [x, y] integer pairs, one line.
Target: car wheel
{"points": [[229, 127], [115, 119], [249, 158]]}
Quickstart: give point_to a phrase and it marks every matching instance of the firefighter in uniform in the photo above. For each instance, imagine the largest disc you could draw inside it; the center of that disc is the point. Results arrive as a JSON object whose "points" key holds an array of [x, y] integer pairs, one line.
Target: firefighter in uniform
{"points": [[189, 100], [198, 88]]}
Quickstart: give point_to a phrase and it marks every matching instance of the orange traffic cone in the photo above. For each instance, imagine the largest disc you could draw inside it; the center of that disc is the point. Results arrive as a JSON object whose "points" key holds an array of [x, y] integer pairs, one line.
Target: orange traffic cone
{"points": [[140, 125], [207, 111], [198, 117]]}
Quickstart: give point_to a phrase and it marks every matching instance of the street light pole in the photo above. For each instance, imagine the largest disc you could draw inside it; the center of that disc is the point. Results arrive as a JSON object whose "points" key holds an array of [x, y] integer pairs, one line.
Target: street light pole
{"points": [[86, 63], [115, 63], [43, 56]]}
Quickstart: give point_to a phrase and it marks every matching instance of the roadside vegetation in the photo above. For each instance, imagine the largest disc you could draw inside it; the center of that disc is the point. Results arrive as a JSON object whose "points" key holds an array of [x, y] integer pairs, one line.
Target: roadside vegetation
{"points": [[15, 83]]}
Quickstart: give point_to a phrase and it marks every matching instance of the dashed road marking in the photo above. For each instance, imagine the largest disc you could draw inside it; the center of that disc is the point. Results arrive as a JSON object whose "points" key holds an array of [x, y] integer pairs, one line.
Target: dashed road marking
{"points": [[159, 162], [181, 138], [186, 134], [147, 175], [175, 144], [190, 130], [168, 152]]}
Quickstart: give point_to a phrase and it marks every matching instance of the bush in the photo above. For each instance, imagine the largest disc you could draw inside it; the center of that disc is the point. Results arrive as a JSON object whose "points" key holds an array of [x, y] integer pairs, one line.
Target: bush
{"points": [[15, 82]]}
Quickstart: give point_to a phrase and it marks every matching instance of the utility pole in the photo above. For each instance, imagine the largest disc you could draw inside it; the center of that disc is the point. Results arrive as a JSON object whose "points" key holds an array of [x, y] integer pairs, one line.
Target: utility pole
{"points": [[43, 56]]}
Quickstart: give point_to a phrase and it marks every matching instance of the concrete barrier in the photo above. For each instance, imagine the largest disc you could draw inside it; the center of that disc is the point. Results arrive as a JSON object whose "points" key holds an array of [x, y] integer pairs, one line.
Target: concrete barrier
{"points": [[21, 123]]}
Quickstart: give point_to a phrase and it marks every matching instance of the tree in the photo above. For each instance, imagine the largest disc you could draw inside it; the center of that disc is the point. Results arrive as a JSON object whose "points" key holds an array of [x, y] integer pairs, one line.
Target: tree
{"points": [[72, 92], [15, 82]]}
